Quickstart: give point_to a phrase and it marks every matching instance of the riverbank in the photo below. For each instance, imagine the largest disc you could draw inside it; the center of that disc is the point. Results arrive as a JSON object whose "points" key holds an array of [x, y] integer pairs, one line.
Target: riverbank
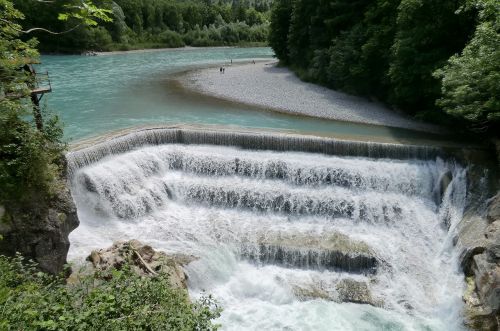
{"points": [[148, 48], [161, 49], [266, 85]]}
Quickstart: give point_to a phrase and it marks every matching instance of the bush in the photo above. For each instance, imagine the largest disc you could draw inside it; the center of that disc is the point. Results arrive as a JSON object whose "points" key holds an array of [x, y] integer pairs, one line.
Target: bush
{"points": [[115, 300], [470, 80], [171, 39], [229, 34], [98, 38], [29, 159]]}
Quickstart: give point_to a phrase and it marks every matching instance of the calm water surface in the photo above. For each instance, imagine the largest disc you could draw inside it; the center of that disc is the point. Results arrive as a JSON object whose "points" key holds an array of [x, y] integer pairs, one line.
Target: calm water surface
{"points": [[94, 95]]}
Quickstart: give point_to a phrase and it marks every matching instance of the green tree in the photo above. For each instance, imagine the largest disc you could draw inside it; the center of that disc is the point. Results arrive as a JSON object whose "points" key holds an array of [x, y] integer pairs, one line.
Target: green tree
{"points": [[280, 25], [428, 33], [380, 27], [27, 156], [299, 33], [470, 80]]}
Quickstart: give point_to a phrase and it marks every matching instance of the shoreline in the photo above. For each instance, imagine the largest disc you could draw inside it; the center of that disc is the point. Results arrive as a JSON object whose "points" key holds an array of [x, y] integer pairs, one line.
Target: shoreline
{"points": [[146, 50], [164, 49], [278, 89]]}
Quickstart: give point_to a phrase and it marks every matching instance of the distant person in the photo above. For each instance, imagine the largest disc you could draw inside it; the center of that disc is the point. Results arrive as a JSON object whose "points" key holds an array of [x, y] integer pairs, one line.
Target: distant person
{"points": [[253, 61], [221, 70], [231, 61]]}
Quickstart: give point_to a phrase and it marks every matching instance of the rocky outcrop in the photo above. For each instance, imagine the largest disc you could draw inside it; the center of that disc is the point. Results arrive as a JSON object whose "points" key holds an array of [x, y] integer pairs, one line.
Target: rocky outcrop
{"points": [[349, 290], [144, 261], [479, 242], [344, 290], [39, 229], [332, 251]]}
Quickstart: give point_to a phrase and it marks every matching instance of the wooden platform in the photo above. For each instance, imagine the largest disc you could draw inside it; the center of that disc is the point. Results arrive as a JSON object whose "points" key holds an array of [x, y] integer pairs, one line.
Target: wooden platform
{"points": [[42, 90]]}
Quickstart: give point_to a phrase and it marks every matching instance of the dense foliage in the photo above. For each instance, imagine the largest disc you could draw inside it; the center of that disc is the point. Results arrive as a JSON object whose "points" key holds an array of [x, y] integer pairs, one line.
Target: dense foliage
{"points": [[28, 157], [153, 23], [471, 80], [421, 56], [114, 300]]}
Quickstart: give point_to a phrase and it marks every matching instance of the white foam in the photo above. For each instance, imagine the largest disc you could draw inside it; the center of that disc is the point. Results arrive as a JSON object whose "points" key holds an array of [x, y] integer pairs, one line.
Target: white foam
{"points": [[418, 279]]}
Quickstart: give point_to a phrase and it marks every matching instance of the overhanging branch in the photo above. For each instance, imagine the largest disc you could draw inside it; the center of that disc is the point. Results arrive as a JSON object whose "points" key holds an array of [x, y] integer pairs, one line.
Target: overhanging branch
{"points": [[12, 25]]}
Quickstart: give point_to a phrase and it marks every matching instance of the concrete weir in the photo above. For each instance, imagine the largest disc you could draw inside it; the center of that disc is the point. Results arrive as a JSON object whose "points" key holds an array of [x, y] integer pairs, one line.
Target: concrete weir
{"points": [[80, 157]]}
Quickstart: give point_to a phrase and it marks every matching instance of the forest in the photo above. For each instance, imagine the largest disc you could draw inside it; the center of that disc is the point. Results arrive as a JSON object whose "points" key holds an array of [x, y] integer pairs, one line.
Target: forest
{"points": [[427, 58], [151, 24]]}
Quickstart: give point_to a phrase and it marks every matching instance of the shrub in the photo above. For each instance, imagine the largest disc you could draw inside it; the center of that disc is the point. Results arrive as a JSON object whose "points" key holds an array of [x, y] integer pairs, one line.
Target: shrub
{"points": [[115, 300], [28, 158], [171, 39]]}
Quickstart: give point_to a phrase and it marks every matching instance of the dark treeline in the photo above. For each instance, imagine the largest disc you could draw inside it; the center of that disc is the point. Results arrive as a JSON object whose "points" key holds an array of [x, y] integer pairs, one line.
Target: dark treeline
{"points": [[421, 56], [152, 23]]}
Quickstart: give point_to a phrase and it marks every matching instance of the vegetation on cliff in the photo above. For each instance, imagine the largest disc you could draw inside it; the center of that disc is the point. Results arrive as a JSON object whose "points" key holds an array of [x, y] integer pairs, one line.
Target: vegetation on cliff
{"points": [[428, 58], [29, 158], [153, 23], [109, 300]]}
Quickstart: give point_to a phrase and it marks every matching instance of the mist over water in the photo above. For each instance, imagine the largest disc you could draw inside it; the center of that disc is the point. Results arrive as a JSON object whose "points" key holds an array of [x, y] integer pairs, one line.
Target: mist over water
{"points": [[276, 233]]}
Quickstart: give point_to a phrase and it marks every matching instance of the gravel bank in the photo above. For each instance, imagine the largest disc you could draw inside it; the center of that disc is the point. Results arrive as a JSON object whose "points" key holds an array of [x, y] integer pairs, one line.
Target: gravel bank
{"points": [[263, 84]]}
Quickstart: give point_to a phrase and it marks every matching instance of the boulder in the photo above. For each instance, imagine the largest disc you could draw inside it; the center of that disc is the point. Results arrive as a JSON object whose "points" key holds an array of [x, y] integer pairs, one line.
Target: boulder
{"points": [[311, 292], [487, 280], [479, 244], [349, 290], [344, 290], [143, 259], [493, 213]]}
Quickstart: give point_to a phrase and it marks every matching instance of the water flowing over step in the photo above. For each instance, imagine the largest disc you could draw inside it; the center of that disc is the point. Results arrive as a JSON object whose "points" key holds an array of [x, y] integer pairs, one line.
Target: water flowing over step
{"points": [[284, 234], [271, 196], [142, 181], [246, 140], [129, 200], [333, 251], [308, 170]]}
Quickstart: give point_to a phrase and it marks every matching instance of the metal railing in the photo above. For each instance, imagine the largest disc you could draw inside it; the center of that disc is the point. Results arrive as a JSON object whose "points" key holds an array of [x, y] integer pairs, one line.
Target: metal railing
{"points": [[42, 83]]}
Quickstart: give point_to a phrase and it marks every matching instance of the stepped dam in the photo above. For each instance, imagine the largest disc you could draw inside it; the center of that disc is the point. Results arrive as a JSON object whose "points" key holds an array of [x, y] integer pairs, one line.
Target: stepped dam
{"points": [[287, 232]]}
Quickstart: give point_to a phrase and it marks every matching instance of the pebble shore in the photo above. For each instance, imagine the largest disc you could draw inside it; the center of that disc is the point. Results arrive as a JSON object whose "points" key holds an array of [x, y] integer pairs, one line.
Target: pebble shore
{"points": [[266, 85]]}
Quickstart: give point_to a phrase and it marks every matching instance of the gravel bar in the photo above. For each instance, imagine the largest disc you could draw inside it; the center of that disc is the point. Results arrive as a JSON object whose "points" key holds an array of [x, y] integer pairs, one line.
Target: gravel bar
{"points": [[266, 85]]}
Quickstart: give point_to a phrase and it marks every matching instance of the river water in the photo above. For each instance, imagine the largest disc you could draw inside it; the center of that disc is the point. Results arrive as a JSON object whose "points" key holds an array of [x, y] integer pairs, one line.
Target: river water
{"points": [[355, 240], [94, 95]]}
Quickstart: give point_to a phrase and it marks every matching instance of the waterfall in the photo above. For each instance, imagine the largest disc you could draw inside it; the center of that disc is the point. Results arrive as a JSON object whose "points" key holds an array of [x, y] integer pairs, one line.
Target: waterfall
{"points": [[290, 232], [247, 140]]}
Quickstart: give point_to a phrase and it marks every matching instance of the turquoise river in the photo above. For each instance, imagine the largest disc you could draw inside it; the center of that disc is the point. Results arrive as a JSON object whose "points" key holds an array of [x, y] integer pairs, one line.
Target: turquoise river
{"points": [[98, 94]]}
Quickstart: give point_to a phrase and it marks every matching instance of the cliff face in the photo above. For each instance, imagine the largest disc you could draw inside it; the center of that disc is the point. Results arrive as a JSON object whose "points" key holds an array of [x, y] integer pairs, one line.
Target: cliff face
{"points": [[39, 230], [479, 244]]}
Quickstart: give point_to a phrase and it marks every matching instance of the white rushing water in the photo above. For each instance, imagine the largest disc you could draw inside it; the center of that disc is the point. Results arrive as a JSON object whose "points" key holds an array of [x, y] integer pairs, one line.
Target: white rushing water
{"points": [[262, 225]]}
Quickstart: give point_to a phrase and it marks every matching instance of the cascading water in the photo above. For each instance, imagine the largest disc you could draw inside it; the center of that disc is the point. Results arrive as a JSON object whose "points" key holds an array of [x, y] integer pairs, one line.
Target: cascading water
{"points": [[286, 240]]}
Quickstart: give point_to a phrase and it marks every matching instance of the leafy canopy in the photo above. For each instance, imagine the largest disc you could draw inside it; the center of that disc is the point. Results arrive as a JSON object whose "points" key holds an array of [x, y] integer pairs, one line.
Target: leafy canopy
{"points": [[86, 12], [471, 79]]}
